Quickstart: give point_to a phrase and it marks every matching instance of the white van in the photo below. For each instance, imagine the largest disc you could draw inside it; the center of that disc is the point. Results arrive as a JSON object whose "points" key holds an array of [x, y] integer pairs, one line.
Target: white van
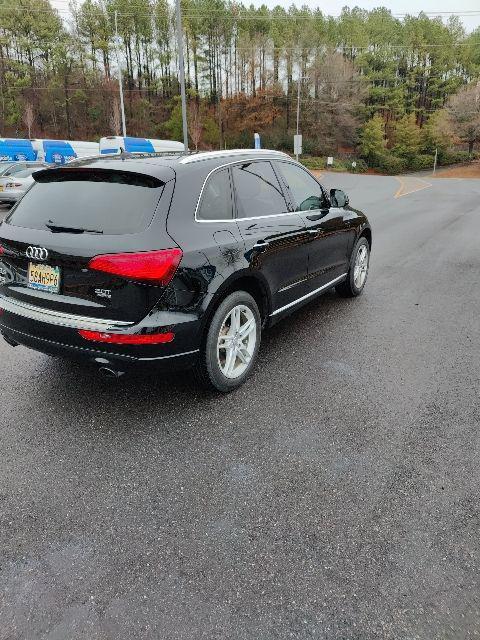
{"points": [[17, 149], [62, 151], [117, 144]]}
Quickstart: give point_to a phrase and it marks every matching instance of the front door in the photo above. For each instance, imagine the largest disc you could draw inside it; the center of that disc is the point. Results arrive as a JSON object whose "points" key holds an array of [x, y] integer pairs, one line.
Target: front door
{"points": [[329, 235], [276, 240]]}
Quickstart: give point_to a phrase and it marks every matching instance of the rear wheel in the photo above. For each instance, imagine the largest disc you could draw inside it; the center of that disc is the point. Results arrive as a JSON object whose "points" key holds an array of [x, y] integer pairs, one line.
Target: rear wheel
{"points": [[231, 345], [358, 272]]}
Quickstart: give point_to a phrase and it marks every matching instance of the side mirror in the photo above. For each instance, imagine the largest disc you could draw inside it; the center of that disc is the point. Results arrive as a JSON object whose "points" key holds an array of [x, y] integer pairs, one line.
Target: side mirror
{"points": [[338, 198]]}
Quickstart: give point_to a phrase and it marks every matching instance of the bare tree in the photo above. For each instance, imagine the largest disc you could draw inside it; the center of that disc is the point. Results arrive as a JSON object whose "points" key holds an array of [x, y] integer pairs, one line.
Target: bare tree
{"points": [[115, 118], [464, 109], [195, 125], [333, 113], [29, 118]]}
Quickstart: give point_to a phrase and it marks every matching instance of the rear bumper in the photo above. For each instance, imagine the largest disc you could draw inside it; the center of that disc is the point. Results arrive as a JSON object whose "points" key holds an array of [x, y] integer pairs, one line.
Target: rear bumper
{"points": [[109, 359], [58, 335]]}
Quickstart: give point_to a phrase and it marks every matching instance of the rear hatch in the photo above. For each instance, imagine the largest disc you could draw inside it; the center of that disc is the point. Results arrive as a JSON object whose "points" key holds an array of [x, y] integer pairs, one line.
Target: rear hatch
{"points": [[72, 215]]}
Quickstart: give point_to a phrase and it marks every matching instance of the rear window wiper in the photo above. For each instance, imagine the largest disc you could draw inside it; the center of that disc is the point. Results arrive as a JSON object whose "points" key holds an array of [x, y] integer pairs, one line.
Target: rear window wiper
{"points": [[58, 228]]}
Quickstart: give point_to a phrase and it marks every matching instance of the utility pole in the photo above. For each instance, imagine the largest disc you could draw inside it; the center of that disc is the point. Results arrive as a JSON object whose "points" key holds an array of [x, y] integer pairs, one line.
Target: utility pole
{"points": [[298, 103], [120, 86], [182, 73], [435, 161], [297, 138]]}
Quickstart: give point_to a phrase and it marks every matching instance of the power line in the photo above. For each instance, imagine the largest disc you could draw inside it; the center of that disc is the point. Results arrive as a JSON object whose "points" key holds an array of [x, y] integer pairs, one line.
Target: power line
{"points": [[313, 14], [237, 9], [242, 16]]}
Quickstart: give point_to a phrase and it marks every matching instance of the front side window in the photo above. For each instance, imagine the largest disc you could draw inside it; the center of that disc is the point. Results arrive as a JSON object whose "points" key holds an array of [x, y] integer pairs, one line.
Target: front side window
{"points": [[216, 202], [307, 194], [258, 190]]}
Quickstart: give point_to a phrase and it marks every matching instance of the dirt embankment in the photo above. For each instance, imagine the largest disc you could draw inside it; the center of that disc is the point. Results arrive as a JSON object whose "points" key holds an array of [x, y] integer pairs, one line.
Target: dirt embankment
{"points": [[460, 171], [465, 171]]}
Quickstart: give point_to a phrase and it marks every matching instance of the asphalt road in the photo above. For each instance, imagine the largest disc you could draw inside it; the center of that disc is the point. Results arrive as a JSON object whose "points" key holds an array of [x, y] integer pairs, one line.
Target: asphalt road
{"points": [[335, 496]]}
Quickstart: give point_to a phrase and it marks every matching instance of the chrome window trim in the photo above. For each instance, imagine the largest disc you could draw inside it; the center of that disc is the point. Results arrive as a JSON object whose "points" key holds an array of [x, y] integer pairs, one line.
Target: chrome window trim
{"points": [[309, 295], [60, 319], [229, 164]]}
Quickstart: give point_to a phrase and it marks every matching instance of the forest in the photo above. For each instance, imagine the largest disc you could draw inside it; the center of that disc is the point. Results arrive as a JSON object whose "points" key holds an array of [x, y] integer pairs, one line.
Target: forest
{"points": [[385, 89]]}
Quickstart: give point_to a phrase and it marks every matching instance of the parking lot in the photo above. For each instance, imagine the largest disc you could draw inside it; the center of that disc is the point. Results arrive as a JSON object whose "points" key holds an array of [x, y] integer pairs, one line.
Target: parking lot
{"points": [[334, 496]]}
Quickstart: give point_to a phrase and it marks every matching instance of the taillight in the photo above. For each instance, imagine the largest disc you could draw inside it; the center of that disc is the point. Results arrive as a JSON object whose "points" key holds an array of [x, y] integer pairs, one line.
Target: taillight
{"points": [[153, 266], [2, 250], [112, 338]]}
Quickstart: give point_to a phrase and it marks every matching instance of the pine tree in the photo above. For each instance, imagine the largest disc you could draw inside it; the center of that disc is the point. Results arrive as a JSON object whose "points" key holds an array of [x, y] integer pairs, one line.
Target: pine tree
{"points": [[372, 139], [407, 137]]}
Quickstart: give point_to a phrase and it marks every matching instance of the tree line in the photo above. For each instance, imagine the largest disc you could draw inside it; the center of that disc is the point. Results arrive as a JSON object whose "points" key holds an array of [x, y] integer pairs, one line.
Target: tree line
{"points": [[359, 74]]}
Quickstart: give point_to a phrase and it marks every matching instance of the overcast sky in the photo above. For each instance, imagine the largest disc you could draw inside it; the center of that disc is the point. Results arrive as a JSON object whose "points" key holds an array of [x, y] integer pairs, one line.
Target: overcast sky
{"points": [[334, 7]]}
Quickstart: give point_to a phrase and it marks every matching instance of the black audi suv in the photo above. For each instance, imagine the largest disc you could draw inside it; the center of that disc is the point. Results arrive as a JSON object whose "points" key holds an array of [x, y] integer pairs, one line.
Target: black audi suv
{"points": [[173, 261]]}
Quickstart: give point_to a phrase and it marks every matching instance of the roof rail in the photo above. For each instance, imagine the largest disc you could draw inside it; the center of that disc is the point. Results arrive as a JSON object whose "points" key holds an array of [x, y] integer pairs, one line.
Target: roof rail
{"points": [[207, 155], [144, 154]]}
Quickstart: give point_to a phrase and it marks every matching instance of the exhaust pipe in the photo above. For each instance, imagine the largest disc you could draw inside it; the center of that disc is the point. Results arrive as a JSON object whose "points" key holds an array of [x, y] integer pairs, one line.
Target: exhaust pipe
{"points": [[106, 372], [9, 341]]}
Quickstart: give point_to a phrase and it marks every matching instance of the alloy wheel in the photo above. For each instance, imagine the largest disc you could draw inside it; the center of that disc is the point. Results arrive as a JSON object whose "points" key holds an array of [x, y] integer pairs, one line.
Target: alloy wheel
{"points": [[236, 341], [360, 268]]}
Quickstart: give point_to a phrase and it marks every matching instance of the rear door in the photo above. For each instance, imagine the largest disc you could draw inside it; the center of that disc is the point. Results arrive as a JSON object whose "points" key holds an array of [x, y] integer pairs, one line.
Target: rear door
{"points": [[68, 217], [330, 237], [276, 240]]}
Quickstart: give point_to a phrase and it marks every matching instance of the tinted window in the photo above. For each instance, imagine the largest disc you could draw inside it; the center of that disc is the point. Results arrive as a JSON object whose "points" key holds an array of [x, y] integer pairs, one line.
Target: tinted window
{"points": [[258, 190], [25, 173], [216, 203], [114, 202], [4, 166], [16, 168], [306, 192]]}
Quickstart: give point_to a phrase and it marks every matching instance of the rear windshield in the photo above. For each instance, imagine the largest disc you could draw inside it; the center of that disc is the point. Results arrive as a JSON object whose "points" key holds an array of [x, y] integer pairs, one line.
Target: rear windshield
{"points": [[100, 200]]}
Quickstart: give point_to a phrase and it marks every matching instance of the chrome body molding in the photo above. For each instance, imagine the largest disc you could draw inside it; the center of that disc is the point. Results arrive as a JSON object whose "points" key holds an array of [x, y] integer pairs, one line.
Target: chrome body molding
{"points": [[309, 295], [60, 319]]}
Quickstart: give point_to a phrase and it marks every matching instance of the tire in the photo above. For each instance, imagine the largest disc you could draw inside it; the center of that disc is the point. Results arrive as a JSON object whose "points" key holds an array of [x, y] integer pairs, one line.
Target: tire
{"points": [[226, 359], [354, 285]]}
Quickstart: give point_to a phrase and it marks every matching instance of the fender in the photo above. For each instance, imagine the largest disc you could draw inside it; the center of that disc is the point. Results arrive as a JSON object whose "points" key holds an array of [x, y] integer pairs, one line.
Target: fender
{"points": [[256, 280]]}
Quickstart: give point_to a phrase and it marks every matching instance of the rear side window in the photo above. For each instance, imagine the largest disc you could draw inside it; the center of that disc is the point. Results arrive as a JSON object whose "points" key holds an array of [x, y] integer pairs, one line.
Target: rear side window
{"points": [[101, 200], [258, 192], [216, 202]]}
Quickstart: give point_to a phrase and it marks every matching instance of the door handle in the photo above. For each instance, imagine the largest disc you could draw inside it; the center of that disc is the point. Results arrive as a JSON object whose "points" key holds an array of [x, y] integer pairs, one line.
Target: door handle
{"points": [[261, 244]]}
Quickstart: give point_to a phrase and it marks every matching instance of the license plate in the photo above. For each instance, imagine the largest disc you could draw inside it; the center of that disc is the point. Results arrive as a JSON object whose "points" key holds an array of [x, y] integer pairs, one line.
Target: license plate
{"points": [[1, 187], [43, 277]]}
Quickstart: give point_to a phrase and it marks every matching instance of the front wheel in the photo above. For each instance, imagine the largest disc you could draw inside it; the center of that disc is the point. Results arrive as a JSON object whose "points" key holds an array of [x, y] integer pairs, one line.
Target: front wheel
{"points": [[358, 272], [231, 345]]}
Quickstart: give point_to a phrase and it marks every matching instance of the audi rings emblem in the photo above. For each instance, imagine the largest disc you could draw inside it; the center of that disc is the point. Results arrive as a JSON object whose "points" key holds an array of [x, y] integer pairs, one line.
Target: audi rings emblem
{"points": [[36, 253]]}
